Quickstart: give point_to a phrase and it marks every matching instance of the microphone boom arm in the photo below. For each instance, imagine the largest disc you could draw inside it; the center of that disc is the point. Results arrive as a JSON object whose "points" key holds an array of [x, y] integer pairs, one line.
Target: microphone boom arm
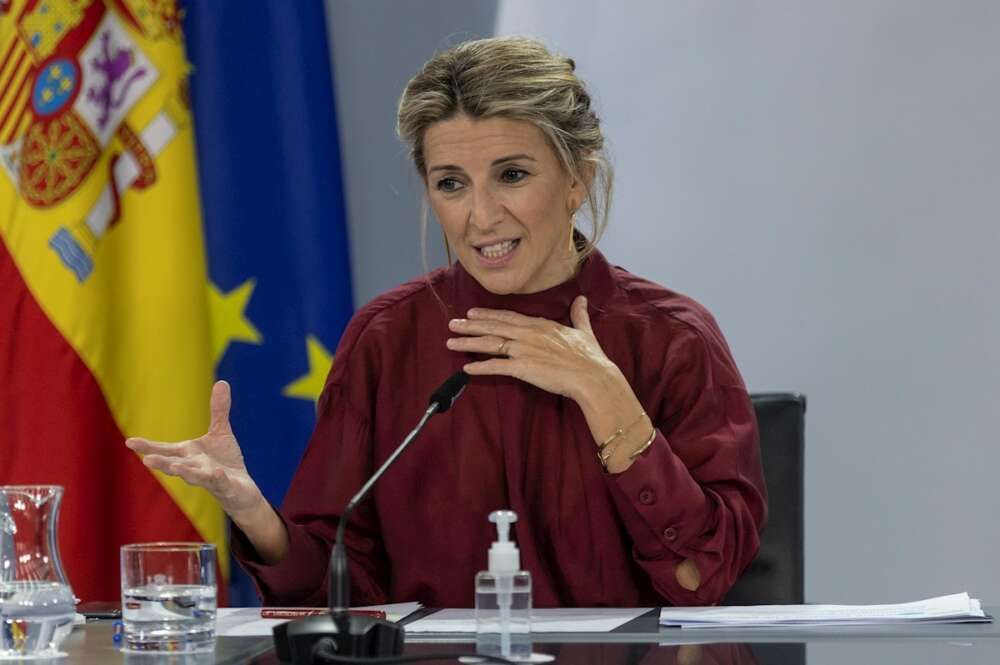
{"points": [[340, 593], [355, 638]]}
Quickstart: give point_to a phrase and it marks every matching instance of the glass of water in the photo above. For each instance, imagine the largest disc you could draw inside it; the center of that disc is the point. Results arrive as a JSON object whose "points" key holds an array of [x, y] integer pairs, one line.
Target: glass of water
{"points": [[168, 597]]}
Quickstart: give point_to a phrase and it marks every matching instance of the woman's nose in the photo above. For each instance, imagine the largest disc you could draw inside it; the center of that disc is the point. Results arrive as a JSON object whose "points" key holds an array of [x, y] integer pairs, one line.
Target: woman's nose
{"points": [[486, 210]]}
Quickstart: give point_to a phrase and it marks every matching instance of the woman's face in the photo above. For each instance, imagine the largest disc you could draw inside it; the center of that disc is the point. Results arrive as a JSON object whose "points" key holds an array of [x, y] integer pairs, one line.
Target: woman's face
{"points": [[503, 200]]}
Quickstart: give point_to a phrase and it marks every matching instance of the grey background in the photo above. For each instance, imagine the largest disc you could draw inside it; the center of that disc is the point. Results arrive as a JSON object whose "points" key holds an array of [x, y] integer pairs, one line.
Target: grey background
{"points": [[823, 177]]}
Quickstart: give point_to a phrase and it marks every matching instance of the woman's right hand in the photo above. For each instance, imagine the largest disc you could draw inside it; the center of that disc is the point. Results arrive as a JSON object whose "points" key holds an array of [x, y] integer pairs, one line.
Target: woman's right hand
{"points": [[213, 461]]}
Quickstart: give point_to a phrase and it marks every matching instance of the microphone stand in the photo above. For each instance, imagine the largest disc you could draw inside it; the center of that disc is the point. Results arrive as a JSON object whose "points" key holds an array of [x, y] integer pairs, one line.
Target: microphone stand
{"points": [[352, 635]]}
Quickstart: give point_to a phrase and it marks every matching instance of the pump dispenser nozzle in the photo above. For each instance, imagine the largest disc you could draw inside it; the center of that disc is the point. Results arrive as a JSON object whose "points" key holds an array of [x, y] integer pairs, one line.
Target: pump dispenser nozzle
{"points": [[504, 555], [503, 597]]}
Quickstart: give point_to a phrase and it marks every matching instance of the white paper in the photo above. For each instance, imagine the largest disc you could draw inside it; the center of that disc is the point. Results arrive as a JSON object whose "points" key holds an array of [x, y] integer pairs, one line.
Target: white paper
{"points": [[554, 620], [957, 607], [246, 621]]}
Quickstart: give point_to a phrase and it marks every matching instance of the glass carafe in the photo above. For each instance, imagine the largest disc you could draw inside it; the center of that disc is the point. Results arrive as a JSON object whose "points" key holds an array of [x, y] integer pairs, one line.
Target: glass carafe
{"points": [[36, 602]]}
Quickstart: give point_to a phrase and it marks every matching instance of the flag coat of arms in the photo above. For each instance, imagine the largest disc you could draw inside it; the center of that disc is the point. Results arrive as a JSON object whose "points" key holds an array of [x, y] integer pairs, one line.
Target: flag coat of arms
{"points": [[104, 314]]}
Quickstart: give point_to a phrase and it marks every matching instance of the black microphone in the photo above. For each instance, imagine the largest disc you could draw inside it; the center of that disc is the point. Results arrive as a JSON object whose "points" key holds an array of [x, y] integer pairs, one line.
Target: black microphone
{"points": [[448, 392], [352, 635]]}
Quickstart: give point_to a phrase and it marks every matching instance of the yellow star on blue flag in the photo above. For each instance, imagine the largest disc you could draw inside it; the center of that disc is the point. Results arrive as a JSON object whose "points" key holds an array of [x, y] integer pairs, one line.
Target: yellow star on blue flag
{"points": [[228, 318], [311, 384]]}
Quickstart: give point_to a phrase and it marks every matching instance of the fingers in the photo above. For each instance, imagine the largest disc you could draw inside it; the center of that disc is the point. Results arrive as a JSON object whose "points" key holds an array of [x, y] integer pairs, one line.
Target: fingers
{"points": [[489, 344], [493, 366], [219, 404], [190, 472], [486, 327], [534, 373], [147, 447], [503, 316], [579, 315], [161, 463]]}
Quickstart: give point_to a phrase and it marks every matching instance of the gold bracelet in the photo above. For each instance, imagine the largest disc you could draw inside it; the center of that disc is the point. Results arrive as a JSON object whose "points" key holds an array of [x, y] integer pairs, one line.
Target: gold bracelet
{"points": [[645, 446], [604, 454], [621, 430], [603, 458]]}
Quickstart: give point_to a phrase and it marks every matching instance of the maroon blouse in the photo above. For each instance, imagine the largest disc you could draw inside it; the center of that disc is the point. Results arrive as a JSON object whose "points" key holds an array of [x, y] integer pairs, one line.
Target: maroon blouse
{"points": [[588, 538]]}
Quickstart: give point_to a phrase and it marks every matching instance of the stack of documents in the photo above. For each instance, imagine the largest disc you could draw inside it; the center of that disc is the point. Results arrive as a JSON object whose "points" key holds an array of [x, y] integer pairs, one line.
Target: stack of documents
{"points": [[956, 608]]}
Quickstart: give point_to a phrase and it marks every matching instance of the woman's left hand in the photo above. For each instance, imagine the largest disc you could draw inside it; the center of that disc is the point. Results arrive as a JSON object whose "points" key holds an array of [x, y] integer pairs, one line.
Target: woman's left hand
{"points": [[565, 360]]}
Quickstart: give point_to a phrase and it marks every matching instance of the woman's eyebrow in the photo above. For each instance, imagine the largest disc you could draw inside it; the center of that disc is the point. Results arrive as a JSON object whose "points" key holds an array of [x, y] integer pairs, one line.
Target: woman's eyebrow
{"points": [[499, 160], [513, 158], [445, 167]]}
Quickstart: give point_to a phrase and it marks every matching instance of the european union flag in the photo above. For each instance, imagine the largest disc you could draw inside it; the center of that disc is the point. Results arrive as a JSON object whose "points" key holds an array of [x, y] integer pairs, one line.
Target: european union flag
{"points": [[269, 160]]}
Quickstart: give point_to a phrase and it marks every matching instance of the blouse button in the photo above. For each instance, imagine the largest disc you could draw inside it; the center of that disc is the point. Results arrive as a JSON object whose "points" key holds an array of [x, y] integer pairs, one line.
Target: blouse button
{"points": [[647, 497], [670, 533]]}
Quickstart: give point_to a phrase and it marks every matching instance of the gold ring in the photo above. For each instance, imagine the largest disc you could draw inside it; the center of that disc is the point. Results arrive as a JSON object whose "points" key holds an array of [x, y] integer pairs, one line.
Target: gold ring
{"points": [[502, 351]]}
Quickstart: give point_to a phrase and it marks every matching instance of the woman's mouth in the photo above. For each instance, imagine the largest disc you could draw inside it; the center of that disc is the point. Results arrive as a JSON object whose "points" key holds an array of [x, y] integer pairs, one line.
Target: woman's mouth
{"points": [[498, 252]]}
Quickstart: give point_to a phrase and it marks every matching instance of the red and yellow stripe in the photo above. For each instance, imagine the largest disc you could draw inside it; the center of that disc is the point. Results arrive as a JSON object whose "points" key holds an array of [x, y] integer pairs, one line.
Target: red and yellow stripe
{"points": [[15, 90]]}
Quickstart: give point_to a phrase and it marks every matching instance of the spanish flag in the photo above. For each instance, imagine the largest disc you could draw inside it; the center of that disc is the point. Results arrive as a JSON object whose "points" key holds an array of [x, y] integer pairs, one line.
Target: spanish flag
{"points": [[104, 319]]}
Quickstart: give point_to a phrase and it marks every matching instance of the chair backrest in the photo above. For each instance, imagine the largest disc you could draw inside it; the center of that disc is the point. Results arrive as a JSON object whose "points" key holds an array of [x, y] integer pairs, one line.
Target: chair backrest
{"points": [[776, 576]]}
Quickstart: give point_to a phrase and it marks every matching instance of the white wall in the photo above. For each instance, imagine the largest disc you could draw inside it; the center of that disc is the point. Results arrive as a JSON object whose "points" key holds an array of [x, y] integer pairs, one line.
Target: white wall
{"points": [[824, 177]]}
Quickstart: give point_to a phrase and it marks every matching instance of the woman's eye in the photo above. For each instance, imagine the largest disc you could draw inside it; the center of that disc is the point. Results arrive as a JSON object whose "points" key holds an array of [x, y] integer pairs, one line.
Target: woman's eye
{"points": [[513, 175], [448, 184]]}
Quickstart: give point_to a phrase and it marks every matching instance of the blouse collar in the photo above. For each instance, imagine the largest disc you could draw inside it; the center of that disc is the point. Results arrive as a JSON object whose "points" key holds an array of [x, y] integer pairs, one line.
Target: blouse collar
{"points": [[594, 280]]}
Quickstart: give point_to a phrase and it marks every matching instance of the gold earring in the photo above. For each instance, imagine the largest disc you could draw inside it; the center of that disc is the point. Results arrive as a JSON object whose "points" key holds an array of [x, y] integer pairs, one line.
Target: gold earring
{"points": [[447, 247], [572, 233]]}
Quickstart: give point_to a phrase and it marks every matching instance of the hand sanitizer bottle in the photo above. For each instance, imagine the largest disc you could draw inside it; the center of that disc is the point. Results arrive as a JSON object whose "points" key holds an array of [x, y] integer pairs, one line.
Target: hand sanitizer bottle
{"points": [[503, 597]]}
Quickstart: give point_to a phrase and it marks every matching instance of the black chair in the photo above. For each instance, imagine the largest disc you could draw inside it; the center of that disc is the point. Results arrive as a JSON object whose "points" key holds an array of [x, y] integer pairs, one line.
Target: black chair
{"points": [[776, 576]]}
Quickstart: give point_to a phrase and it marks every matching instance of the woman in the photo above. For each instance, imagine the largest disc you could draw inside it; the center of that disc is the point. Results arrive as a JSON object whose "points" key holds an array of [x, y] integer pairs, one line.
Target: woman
{"points": [[604, 409]]}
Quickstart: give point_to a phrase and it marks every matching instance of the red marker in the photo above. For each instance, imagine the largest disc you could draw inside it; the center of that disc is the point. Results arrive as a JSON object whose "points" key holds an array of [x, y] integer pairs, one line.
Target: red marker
{"points": [[298, 612]]}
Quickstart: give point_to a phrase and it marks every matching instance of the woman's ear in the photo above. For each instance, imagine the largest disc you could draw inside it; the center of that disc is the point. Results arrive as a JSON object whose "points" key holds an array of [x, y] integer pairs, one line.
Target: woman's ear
{"points": [[580, 187]]}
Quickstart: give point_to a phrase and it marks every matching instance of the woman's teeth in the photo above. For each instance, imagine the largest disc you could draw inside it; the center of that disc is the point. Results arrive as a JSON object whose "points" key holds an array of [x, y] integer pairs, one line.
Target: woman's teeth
{"points": [[497, 250]]}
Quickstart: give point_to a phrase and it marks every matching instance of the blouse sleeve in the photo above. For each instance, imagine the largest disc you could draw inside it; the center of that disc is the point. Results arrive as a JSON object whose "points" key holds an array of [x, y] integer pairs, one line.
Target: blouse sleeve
{"points": [[698, 492]]}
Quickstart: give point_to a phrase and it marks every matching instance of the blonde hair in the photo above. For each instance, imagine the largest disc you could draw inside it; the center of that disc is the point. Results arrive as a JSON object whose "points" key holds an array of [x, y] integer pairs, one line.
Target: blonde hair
{"points": [[516, 78]]}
